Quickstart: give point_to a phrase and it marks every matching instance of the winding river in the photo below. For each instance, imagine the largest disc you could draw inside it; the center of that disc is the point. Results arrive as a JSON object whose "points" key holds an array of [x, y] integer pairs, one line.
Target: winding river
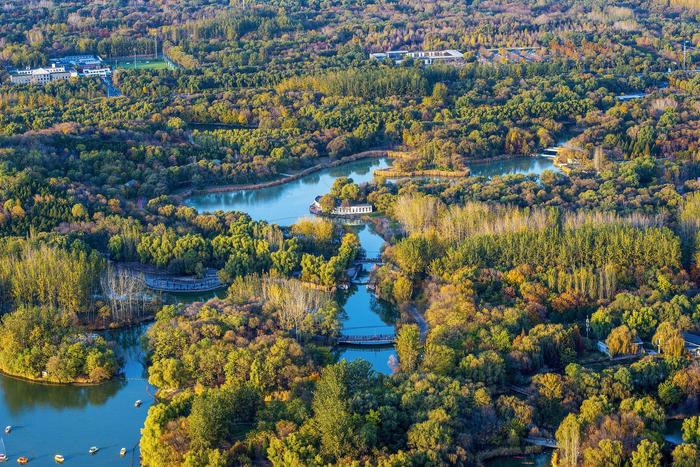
{"points": [[70, 419]]}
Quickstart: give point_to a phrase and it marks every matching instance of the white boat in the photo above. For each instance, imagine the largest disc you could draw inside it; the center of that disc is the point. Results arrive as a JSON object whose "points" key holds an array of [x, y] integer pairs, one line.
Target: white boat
{"points": [[3, 457], [3, 451], [122, 452], [8, 428], [138, 403], [93, 450], [59, 458]]}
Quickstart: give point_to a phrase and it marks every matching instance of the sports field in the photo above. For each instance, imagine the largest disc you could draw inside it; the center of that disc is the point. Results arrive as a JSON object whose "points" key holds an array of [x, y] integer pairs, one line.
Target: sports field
{"points": [[142, 64]]}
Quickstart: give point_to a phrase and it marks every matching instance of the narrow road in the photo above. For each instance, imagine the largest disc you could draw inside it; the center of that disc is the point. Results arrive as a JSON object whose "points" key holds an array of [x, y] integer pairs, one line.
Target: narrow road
{"points": [[112, 90], [420, 320]]}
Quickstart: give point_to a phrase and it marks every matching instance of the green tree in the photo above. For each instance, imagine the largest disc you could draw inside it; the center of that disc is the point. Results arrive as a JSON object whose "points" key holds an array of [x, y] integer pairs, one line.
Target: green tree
{"points": [[409, 347], [608, 453], [686, 455], [620, 341], [217, 413], [691, 430], [340, 431], [648, 454]]}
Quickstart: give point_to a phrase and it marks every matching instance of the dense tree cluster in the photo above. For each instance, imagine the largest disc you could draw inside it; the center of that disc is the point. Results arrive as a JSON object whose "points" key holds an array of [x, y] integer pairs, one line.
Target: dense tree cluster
{"points": [[42, 343], [518, 278]]}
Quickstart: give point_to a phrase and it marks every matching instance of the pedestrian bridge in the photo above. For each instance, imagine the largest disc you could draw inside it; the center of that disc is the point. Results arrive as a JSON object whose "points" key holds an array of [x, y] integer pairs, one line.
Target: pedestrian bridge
{"points": [[368, 340], [544, 442]]}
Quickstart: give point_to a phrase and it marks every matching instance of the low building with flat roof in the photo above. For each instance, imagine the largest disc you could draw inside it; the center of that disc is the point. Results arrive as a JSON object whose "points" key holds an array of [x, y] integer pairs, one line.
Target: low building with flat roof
{"points": [[350, 210], [428, 57]]}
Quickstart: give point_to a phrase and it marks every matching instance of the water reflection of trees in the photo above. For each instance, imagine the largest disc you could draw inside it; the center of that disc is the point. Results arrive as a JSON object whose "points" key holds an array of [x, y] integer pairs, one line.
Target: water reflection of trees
{"points": [[20, 396], [518, 165], [386, 311], [129, 345]]}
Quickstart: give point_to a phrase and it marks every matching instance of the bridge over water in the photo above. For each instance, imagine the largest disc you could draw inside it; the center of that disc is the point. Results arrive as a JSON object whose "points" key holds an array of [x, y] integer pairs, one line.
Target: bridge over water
{"points": [[544, 442], [366, 340]]}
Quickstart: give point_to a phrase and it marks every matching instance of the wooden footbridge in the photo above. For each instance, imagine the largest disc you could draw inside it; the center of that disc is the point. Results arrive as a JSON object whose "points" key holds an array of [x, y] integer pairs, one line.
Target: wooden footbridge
{"points": [[544, 442], [369, 260], [368, 340]]}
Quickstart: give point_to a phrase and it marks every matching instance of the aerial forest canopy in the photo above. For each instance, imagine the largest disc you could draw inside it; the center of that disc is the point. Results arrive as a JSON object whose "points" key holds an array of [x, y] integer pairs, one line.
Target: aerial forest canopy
{"points": [[553, 313]]}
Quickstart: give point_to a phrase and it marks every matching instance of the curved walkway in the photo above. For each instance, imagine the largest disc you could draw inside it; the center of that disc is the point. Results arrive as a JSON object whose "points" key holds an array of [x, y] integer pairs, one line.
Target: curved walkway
{"points": [[182, 284]]}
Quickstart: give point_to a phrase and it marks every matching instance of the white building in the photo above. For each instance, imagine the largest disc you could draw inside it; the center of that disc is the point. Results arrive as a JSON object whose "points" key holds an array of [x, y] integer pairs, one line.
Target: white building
{"points": [[62, 69], [352, 210], [41, 75], [102, 72], [428, 57]]}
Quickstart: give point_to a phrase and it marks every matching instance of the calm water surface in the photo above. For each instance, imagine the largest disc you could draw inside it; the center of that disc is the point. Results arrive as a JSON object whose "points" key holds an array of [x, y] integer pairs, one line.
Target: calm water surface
{"points": [[544, 459], [68, 420], [285, 204], [518, 165]]}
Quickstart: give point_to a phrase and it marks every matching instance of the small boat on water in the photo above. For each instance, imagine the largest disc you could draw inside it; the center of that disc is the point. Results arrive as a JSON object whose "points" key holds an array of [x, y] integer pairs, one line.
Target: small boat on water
{"points": [[8, 428], [122, 452], [93, 450], [3, 451], [59, 458], [22, 460], [3, 457], [138, 403]]}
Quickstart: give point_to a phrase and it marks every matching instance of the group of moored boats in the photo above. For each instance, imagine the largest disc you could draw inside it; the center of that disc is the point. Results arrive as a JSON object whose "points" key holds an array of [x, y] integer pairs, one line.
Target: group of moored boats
{"points": [[58, 458]]}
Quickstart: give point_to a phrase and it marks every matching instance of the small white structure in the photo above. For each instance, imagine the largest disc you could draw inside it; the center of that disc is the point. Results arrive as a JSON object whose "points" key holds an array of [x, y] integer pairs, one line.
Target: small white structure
{"points": [[629, 97], [428, 57]]}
